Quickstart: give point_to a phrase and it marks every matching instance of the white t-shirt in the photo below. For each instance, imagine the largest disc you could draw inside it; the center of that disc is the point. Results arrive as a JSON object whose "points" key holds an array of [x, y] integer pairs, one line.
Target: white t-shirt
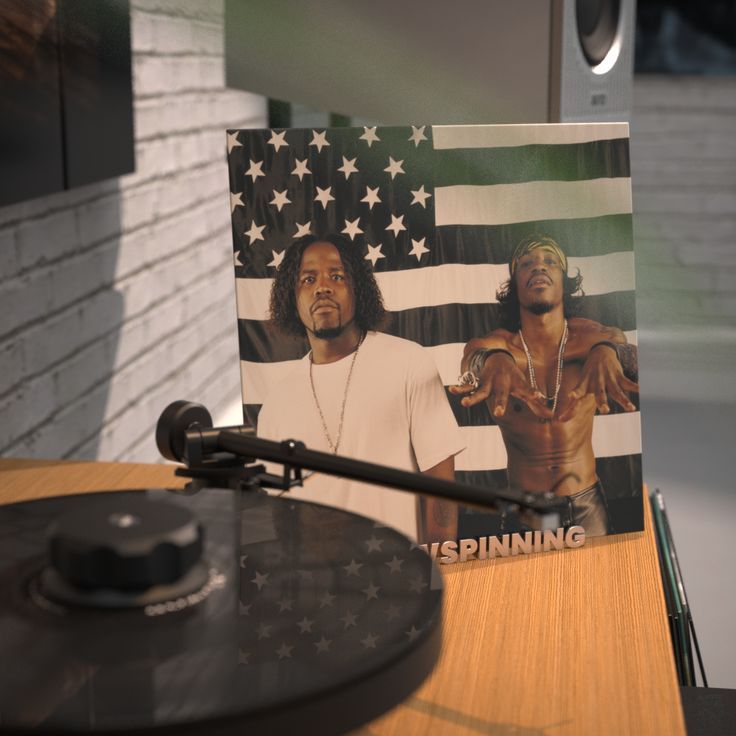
{"points": [[396, 414]]}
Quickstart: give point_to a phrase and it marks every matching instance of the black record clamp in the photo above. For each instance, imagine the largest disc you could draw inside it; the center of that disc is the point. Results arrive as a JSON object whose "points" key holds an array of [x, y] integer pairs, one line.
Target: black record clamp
{"points": [[118, 552]]}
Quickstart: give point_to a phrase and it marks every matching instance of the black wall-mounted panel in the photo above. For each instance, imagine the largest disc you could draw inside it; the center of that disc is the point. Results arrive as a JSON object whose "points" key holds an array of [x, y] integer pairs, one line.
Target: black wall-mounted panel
{"points": [[66, 98], [31, 150], [98, 95]]}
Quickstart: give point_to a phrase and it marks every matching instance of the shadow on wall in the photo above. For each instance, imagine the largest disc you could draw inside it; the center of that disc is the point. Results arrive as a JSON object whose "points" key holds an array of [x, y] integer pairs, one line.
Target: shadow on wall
{"points": [[61, 321]]}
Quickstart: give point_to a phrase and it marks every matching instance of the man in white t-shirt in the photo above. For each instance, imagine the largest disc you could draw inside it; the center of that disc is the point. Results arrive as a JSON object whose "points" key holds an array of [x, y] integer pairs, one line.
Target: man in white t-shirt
{"points": [[360, 393]]}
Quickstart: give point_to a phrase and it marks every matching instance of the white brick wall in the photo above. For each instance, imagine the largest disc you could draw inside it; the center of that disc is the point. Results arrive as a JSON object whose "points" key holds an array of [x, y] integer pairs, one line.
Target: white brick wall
{"points": [[118, 298], [683, 154]]}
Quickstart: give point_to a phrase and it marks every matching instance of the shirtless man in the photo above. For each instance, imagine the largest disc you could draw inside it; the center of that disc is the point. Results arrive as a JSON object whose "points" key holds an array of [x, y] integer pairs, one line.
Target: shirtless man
{"points": [[544, 376]]}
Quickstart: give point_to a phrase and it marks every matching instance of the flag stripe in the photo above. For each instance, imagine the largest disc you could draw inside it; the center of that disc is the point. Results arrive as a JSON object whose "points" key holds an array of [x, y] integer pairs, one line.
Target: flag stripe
{"points": [[430, 326], [258, 346], [592, 236], [484, 136], [462, 322], [535, 200], [454, 283], [592, 160], [469, 244]]}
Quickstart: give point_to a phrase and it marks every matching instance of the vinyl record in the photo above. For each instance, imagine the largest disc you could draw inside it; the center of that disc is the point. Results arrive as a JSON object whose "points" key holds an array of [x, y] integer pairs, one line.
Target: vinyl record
{"points": [[306, 619]]}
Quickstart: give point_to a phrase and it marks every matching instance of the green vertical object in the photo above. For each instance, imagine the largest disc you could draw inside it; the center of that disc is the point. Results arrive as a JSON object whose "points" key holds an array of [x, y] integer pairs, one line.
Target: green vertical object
{"points": [[279, 114], [339, 121]]}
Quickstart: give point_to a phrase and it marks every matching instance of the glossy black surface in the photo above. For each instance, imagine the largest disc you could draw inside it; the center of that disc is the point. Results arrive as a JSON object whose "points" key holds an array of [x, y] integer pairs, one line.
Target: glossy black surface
{"points": [[95, 67], [312, 620], [66, 96], [31, 136]]}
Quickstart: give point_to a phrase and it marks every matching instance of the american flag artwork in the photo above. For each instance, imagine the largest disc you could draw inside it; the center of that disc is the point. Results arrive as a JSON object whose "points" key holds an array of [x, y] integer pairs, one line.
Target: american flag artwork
{"points": [[438, 211]]}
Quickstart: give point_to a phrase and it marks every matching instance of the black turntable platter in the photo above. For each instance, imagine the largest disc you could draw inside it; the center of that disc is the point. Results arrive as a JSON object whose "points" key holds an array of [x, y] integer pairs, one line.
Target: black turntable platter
{"points": [[306, 619]]}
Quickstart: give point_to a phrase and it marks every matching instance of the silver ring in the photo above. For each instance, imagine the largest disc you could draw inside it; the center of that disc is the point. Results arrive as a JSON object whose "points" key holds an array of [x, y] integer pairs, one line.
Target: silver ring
{"points": [[469, 379]]}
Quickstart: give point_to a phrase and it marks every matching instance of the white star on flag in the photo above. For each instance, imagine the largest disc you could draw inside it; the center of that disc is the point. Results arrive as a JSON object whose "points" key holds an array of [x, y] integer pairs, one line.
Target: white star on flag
{"points": [[284, 651], [279, 199], [351, 228], [370, 641], [349, 619], [419, 196], [300, 168], [395, 564], [278, 256], [236, 258], [394, 167], [374, 253], [397, 224], [255, 170], [302, 229], [417, 584], [278, 140], [319, 140], [371, 591], [417, 134], [255, 232], [371, 197], [305, 625], [369, 136], [418, 248], [323, 645], [264, 631], [232, 141], [236, 201], [413, 633], [260, 580], [285, 604], [348, 167], [373, 544], [324, 196], [327, 599], [353, 568]]}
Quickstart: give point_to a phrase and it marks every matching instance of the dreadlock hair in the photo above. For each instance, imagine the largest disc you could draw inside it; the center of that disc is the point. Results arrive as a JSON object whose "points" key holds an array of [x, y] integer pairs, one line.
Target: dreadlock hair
{"points": [[508, 296], [370, 314]]}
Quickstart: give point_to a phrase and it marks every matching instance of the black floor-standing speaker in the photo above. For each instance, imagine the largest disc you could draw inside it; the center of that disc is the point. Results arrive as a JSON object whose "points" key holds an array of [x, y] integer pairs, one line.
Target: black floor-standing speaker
{"points": [[432, 61]]}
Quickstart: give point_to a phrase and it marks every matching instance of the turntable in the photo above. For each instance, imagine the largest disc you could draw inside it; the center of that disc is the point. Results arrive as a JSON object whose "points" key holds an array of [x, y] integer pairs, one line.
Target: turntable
{"points": [[216, 610]]}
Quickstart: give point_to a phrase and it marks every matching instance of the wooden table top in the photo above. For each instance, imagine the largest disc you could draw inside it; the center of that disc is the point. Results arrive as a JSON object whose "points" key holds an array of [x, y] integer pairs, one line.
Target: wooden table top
{"points": [[566, 642]]}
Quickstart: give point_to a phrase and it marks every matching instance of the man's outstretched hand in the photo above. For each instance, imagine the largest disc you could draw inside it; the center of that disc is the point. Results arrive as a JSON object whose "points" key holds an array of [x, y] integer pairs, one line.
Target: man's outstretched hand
{"points": [[603, 377], [499, 379]]}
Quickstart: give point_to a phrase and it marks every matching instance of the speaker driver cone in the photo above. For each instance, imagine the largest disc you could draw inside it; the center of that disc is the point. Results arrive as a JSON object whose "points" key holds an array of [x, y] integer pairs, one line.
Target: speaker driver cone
{"points": [[597, 22]]}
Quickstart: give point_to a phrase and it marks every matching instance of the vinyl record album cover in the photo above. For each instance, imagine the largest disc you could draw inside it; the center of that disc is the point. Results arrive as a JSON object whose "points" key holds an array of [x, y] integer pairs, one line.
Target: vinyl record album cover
{"points": [[453, 300]]}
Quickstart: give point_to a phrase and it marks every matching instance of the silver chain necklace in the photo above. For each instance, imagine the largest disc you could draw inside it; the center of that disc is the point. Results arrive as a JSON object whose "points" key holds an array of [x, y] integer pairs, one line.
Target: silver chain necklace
{"points": [[558, 379], [334, 447]]}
